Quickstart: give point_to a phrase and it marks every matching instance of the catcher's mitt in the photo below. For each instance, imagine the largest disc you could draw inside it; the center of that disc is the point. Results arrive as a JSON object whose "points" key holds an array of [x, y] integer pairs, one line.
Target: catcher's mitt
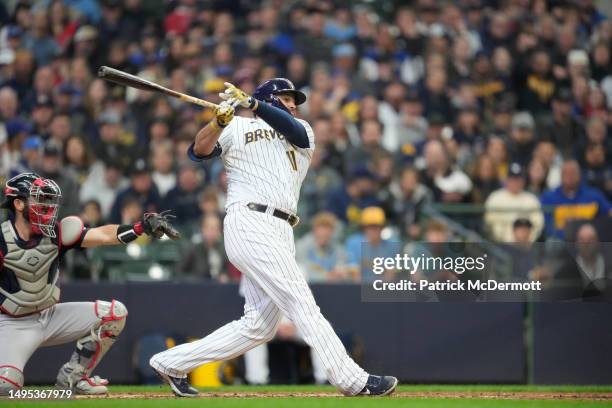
{"points": [[156, 225]]}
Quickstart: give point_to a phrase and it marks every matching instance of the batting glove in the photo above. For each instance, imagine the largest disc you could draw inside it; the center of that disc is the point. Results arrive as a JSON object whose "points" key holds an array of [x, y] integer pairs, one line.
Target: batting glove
{"points": [[238, 97], [224, 113]]}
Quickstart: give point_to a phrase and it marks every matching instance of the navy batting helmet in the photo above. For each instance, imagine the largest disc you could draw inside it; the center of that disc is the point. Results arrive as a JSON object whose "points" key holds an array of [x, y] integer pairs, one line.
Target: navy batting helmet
{"points": [[268, 90]]}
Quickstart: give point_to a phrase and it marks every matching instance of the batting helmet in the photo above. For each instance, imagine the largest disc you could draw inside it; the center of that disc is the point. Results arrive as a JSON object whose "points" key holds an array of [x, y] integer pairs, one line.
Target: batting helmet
{"points": [[268, 90], [41, 196]]}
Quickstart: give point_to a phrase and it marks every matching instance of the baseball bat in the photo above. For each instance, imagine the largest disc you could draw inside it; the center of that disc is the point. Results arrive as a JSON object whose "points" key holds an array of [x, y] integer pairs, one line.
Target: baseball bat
{"points": [[125, 79]]}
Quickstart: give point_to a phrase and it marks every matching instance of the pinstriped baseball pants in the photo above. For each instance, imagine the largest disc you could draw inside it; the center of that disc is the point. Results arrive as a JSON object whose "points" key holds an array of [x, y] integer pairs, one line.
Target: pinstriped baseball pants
{"points": [[262, 247]]}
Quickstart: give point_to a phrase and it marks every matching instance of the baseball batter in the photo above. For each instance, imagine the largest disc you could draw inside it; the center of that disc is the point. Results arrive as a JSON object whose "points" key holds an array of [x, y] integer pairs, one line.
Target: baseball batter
{"points": [[266, 158], [32, 244]]}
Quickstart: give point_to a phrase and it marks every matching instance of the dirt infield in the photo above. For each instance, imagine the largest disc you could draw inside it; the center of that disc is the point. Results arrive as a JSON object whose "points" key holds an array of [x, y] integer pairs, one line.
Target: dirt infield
{"points": [[591, 396]]}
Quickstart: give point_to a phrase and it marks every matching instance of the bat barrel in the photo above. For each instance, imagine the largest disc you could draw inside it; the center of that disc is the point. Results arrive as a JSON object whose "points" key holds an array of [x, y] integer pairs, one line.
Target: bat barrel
{"points": [[125, 79]]}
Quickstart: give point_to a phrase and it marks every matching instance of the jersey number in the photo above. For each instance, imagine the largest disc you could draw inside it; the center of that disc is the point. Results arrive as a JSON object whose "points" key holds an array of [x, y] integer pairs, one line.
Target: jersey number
{"points": [[292, 160]]}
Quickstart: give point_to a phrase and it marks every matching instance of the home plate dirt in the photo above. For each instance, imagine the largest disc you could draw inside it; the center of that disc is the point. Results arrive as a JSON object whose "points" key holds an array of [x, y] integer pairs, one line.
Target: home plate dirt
{"points": [[523, 395]]}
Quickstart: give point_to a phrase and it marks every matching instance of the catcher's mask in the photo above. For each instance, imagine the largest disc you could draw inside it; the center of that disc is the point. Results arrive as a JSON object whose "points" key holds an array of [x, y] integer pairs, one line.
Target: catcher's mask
{"points": [[41, 197]]}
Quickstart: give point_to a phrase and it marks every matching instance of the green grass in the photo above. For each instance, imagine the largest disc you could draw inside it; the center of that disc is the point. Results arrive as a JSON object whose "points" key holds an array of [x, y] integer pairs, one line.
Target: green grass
{"points": [[332, 401]]}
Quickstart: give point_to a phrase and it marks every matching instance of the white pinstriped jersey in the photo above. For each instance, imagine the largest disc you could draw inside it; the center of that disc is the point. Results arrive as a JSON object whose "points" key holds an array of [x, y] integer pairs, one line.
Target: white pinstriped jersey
{"points": [[262, 166]]}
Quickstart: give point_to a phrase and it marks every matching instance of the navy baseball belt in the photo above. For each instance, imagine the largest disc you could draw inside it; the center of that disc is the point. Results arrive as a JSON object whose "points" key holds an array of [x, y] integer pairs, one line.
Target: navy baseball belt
{"points": [[293, 220]]}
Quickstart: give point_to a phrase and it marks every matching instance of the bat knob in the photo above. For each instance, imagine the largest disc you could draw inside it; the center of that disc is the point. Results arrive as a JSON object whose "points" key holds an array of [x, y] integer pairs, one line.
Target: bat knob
{"points": [[102, 71]]}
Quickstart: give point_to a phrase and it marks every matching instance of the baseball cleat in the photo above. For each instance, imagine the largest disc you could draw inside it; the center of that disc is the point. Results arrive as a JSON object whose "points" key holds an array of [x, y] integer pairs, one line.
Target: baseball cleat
{"points": [[379, 385], [180, 386], [91, 386]]}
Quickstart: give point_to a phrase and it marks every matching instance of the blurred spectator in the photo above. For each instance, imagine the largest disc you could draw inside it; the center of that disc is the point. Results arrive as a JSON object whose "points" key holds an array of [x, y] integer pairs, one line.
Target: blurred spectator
{"points": [[536, 177], [597, 132], [371, 138], [130, 211], [59, 128], [8, 104], [506, 205], [320, 256], [40, 43], [51, 167], [347, 201], [467, 128], [79, 159], [92, 214], [591, 258], [364, 246], [448, 183], [205, 257], [435, 97], [436, 237], [31, 152], [526, 256], [42, 113], [102, 185], [546, 152], [497, 150], [389, 114], [183, 199], [597, 168], [383, 166], [314, 34], [501, 123], [539, 85], [209, 202], [485, 179], [561, 127], [319, 181], [141, 188], [522, 231], [163, 174], [412, 124], [522, 138], [410, 198], [111, 145], [573, 200]]}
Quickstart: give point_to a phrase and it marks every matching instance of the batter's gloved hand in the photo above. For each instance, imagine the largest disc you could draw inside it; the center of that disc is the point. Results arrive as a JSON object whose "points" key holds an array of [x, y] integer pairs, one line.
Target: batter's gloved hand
{"points": [[156, 225], [224, 113], [238, 97]]}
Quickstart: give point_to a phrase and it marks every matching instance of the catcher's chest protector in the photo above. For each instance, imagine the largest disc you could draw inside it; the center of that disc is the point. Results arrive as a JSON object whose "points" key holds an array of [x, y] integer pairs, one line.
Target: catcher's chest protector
{"points": [[35, 272]]}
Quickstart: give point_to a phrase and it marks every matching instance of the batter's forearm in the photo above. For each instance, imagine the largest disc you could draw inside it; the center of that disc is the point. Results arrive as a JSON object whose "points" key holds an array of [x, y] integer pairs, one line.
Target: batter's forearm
{"points": [[207, 138]]}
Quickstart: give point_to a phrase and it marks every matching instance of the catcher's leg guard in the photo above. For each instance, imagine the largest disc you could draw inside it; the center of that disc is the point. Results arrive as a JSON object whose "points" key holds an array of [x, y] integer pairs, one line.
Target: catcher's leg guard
{"points": [[91, 348], [11, 379]]}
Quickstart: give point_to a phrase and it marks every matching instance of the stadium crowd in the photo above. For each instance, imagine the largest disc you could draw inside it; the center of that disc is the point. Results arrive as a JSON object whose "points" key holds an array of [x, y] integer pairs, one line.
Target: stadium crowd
{"points": [[500, 104]]}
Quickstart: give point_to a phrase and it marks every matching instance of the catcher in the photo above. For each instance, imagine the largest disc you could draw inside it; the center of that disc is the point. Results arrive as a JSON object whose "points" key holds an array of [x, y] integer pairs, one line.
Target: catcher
{"points": [[32, 242]]}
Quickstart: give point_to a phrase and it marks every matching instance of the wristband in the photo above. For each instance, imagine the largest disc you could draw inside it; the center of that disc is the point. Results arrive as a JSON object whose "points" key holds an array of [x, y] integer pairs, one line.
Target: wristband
{"points": [[128, 233], [215, 125]]}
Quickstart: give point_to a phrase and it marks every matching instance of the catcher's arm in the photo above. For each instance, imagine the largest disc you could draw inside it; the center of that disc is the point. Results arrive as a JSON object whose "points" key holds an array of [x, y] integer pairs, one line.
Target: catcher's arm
{"points": [[152, 224]]}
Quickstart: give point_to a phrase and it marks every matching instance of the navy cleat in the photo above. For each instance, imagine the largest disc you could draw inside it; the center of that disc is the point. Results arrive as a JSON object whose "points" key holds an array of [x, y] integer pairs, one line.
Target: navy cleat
{"points": [[379, 385], [180, 386]]}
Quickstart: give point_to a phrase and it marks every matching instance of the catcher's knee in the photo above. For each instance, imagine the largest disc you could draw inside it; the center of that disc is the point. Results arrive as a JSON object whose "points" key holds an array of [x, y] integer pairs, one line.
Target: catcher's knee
{"points": [[112, 316], [11, 379]]}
